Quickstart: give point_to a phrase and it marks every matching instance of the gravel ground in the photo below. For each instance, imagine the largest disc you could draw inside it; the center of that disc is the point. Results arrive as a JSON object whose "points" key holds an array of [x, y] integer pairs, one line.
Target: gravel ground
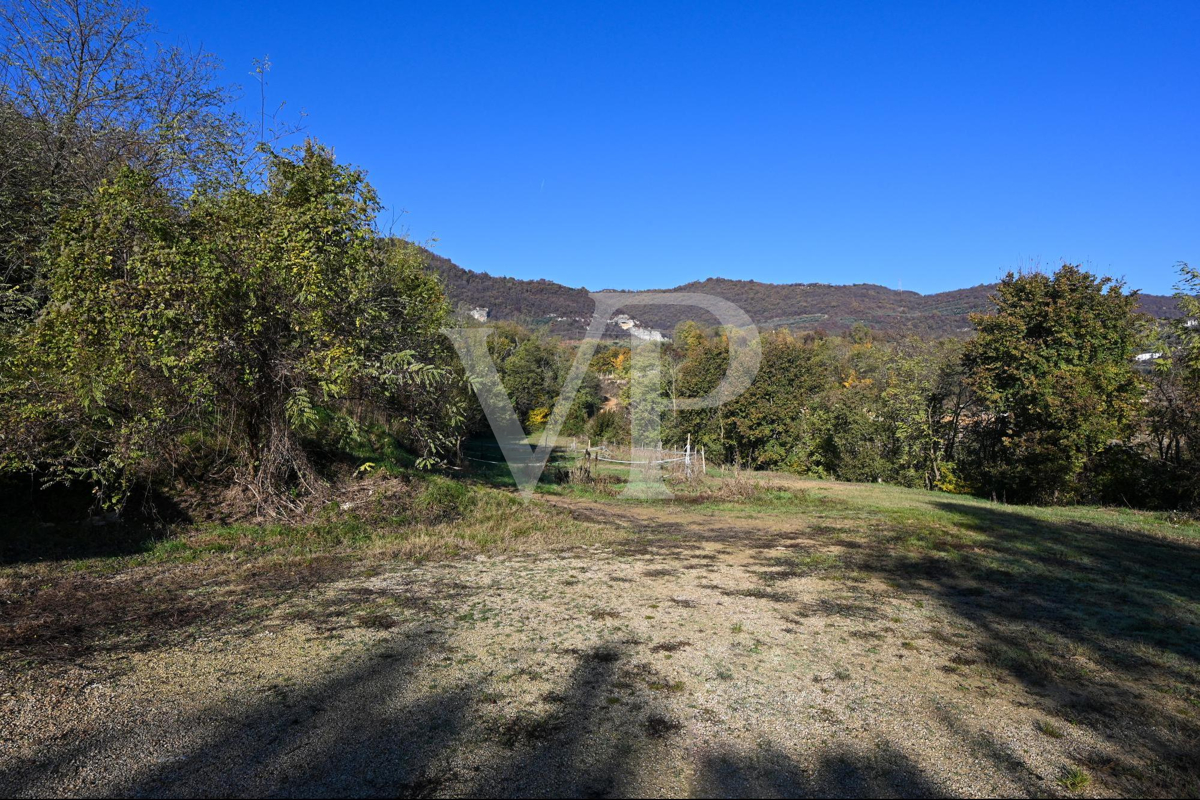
{"points": [[665, 667]]}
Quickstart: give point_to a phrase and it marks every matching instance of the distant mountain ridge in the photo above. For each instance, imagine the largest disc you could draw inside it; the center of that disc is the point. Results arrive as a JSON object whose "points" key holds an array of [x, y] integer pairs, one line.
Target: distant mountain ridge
{"points": [[799, 306]]}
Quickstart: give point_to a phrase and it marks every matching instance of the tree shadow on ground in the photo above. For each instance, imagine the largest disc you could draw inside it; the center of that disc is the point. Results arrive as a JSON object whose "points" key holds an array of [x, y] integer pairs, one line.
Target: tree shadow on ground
{"points": [[347, 734], [885, 772], [68, 620], [1104, 584], [1102, 622], [366, 731], [581, 746]]}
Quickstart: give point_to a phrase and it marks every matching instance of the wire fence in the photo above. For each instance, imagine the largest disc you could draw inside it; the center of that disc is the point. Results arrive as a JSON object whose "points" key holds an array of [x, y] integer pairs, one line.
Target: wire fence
{"points": [[575, 450]]}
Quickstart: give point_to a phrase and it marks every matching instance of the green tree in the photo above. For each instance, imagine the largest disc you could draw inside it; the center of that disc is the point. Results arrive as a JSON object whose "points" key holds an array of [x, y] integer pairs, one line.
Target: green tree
{"points": [[1188, 296], [769, 424], [1052, 375], [228, 327], [705, 360], [1175, 402], [532, 375]]}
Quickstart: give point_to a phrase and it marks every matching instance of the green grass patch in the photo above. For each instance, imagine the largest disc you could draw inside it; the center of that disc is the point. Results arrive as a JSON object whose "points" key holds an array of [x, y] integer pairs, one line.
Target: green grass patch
{"points": [[1074, 779]]}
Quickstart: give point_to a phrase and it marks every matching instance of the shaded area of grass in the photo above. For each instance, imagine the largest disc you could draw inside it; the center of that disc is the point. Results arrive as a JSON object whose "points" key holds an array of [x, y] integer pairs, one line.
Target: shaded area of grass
{"points": [[150, 590], [65, 618], [1093, 610]]}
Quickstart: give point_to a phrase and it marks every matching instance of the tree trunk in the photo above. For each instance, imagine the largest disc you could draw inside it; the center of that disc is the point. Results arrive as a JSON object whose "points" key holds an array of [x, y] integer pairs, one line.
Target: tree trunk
{"points": [[280, 467]]}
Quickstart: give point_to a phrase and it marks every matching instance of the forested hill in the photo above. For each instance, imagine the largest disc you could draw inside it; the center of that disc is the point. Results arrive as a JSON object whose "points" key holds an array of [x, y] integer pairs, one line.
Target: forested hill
{"points": [[800, 306]]}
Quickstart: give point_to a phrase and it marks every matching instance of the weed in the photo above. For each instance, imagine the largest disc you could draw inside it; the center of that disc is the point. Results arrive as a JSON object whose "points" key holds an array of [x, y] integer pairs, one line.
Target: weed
{"points": [[1048, 729], [1074, 779], [674, 687]]}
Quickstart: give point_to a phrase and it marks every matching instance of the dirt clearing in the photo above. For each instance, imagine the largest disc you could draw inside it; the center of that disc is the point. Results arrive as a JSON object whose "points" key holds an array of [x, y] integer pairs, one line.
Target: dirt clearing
{"points": [[865, 642]]}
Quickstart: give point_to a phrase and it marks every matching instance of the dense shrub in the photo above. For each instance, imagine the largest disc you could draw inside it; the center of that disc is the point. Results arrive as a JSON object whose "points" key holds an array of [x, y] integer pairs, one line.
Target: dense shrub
{"points": [[234, 324], [1054, 384]]}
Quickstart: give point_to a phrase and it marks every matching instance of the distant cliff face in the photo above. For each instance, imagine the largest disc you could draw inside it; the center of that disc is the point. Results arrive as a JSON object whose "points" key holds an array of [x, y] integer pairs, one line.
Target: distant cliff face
{"points": [[635, 328], [798, 306]]}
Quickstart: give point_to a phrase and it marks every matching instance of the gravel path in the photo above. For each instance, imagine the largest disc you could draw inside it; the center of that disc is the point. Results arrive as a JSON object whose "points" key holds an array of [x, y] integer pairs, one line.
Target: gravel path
{"points": [[665, 667]]}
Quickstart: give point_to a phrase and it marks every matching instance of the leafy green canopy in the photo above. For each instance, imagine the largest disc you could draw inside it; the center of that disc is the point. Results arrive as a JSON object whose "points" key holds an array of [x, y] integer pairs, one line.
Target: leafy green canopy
{"points": [[1052, 375], [1188, 296], [215, 333]]}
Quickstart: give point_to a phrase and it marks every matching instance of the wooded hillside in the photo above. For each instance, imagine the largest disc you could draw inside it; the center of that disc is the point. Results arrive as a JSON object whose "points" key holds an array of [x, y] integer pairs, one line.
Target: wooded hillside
{"points": [[797, 306]]}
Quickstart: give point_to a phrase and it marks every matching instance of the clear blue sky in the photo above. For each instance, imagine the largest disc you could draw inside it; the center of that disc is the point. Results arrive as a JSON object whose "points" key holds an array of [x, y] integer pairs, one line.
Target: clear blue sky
{"points": [[646, 145]]}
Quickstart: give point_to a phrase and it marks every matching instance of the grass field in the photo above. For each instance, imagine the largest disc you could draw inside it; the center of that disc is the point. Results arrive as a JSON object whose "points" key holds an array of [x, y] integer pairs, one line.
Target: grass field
{"points": [[754, 636]]}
